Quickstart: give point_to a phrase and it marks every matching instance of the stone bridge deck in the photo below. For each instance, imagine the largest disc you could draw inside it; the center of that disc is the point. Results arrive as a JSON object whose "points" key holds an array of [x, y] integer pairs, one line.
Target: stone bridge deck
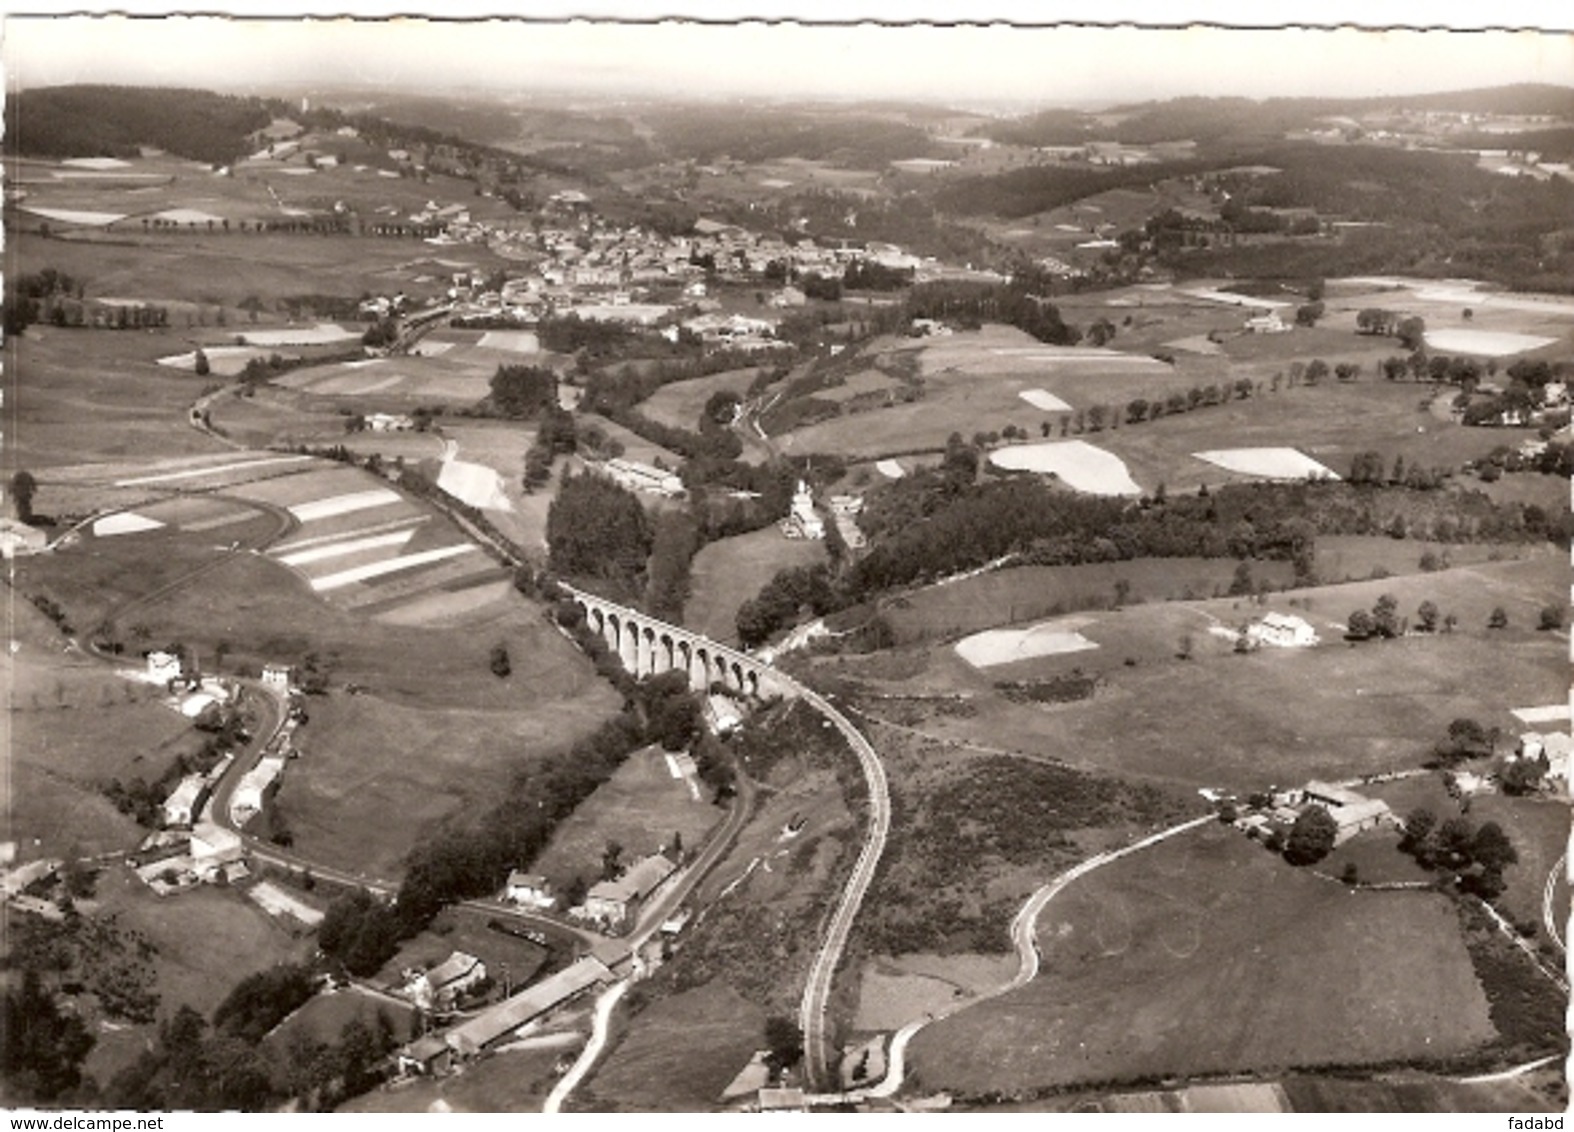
{"points": [[648, 647]]}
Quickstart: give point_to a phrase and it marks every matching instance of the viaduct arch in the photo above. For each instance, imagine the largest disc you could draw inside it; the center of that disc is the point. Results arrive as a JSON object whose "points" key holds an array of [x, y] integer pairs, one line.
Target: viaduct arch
{"points": [[648, 647]]}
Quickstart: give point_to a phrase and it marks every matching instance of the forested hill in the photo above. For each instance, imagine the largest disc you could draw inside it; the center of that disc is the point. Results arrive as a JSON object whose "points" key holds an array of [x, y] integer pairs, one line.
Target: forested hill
{"points": [[1244, 119], [113, 121]]}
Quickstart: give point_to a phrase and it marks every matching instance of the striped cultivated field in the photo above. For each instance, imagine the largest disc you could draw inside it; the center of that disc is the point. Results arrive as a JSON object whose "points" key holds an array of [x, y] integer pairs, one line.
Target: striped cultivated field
{"points": [[362, 545]]}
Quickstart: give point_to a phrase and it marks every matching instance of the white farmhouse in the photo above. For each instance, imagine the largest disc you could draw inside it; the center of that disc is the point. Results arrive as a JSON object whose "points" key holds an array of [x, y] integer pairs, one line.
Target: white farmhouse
{"points": [[1282, 630], [529, 889], [163, 666]]}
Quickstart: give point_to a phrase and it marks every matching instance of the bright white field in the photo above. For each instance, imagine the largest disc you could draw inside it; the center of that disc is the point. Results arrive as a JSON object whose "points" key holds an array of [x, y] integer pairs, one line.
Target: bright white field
{"points": [[1491, 343], [1550, 713], [322, 333], [344, 504], [890, 469], [1084, 355], [1079, 464], [1274, 463], [387, 566], [1231, 297], [187, 216], [124, 523], [519, 341], [347, 547], [99, 163], [226, 361], [475, 484], [430, 349], [1004, 646], [1043, 399], [1042, 350], [74, 216], [212, 469]]}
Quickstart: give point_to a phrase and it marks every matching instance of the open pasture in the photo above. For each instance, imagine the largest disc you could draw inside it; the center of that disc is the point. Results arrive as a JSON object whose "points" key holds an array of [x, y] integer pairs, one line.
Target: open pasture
{"points": [[679, 404], [70, 726], [208, 939], [374, 755], [514, 341], [1277, 715], [226, 361], [458, 375], [469, 599], [1329, 423], [1024, 593], [681, 1051], [975, 381], [308, 483], [96, 395], [325, 1015], [322, 334], [1539, 829], [91, 578], [517, 1079], [893, 991], [1077, 464], [268, 613], [223, 268], [1354, 558], [1442, 304], [1205, 955], [730, 571], [641, 808]]}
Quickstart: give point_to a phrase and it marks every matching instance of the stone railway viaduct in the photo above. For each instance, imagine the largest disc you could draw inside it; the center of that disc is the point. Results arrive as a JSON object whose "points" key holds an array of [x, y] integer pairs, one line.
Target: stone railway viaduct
{"points": [[648, 647]]}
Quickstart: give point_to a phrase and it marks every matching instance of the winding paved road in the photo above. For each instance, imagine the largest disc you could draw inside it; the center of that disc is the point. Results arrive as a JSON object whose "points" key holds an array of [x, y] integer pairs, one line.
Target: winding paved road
{"points": [[1024, 935]]}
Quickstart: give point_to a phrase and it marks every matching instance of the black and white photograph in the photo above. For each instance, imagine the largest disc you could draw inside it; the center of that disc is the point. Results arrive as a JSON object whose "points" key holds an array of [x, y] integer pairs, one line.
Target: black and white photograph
{"points": [[566, 561]]}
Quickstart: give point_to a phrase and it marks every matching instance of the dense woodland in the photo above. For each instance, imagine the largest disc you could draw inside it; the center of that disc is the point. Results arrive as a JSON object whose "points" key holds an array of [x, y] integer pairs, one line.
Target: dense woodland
{"points": [[113, 121]]}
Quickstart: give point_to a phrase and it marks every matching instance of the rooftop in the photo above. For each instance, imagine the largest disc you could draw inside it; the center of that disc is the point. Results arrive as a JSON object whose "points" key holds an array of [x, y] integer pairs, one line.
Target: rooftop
{"points": [[637, 882], [512, 1013]]}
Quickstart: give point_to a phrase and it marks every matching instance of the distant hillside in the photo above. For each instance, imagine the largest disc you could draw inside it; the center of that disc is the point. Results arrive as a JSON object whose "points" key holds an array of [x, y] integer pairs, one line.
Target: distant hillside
{"points": [[1244, 119], [113, 121], [765, 133]]}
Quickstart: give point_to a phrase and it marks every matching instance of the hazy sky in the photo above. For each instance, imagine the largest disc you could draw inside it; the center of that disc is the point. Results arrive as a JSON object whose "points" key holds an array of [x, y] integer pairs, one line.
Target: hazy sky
{"points": [[949, 63]]}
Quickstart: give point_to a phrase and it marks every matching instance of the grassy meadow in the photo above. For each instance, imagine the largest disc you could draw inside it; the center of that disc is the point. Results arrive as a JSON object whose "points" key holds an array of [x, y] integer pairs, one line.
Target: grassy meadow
{"points": [[1208, 955]]}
